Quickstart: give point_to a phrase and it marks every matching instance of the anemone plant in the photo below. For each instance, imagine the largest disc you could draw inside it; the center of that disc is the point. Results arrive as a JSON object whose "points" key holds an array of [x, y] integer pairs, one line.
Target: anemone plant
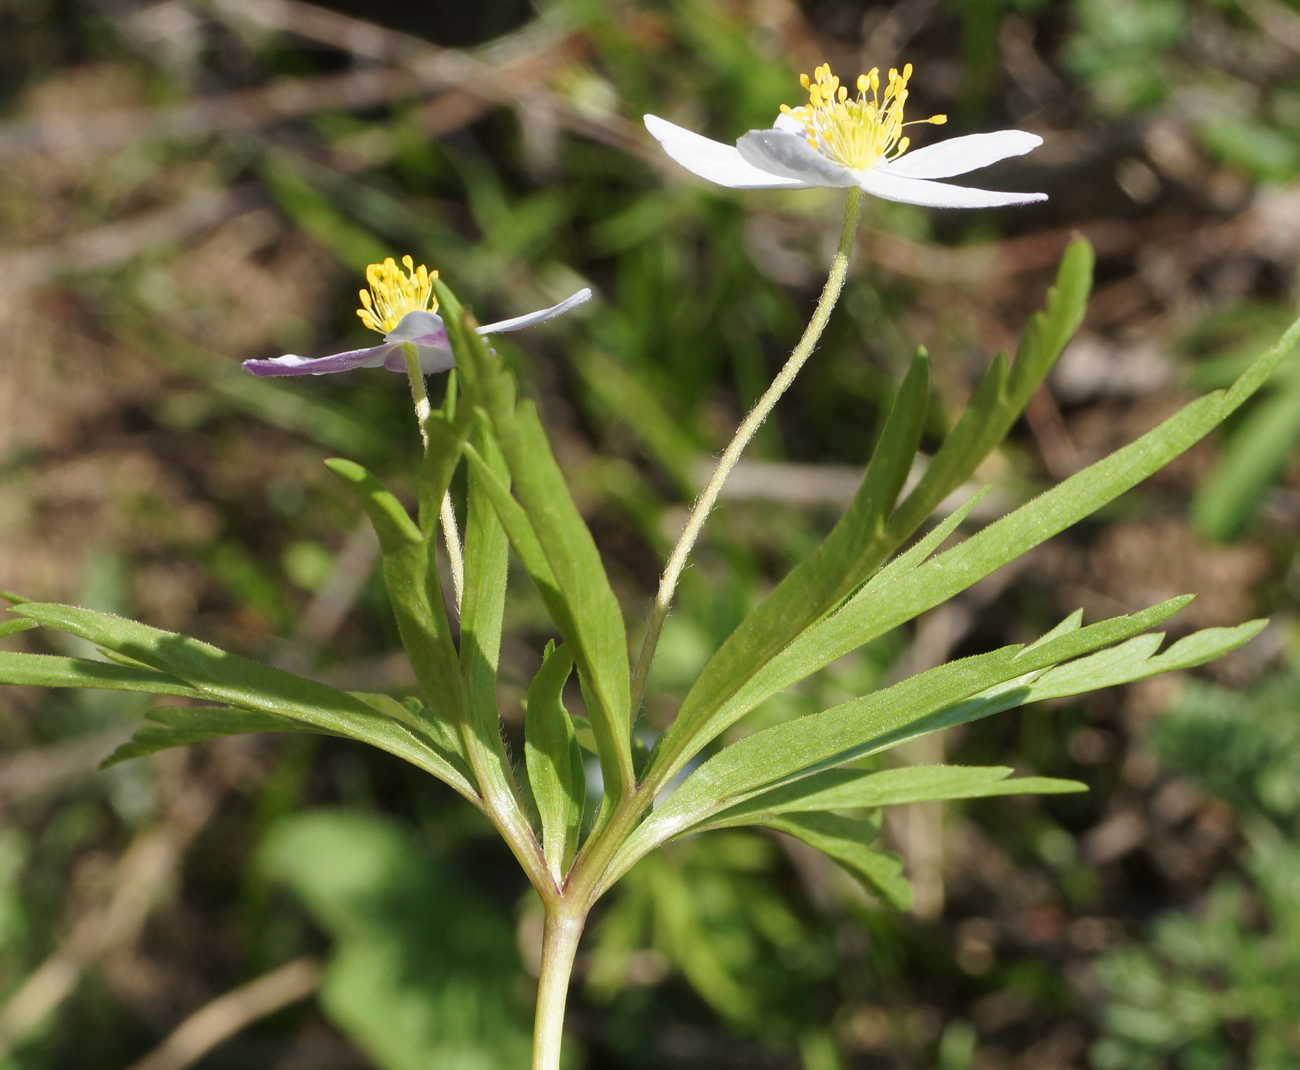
{"points": [[871, 574]]}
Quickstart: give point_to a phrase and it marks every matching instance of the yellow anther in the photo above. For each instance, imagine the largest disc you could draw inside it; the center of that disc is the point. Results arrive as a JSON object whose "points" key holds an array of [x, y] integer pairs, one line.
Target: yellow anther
{"points": [[394, 292], [856, 132]]}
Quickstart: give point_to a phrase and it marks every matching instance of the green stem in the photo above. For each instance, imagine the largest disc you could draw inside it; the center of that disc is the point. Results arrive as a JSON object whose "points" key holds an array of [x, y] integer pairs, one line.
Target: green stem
{"points": [[746, 431], [423, 410], [559, 946]]}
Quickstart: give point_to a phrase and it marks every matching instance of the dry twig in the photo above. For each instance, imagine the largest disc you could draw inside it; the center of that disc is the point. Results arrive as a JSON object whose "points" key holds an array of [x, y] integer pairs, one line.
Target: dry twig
{"points": [[228, 1014]]}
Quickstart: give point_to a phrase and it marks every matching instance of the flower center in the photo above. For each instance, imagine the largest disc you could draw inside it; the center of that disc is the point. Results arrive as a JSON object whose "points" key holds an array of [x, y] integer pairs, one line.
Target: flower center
{"points": [[856, 131], [394, 292]]}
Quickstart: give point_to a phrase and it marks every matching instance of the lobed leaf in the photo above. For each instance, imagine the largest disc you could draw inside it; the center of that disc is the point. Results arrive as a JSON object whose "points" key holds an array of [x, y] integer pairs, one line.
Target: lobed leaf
{"points": [[179, 726], [872, 613], [207, 672], [1004, 392], [412, 712], [855, 789], [845, 840], [45, 670], [953, 693]]}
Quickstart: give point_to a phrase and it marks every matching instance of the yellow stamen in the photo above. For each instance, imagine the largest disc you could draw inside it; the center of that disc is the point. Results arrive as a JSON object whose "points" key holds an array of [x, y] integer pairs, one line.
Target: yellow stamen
{"points": [[394, 292], [856, 132]]}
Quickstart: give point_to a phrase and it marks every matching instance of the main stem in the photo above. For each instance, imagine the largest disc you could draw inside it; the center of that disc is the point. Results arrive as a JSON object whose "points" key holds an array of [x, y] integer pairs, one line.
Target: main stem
{"points": [[559, 946], [746, 431], [423, 410]]}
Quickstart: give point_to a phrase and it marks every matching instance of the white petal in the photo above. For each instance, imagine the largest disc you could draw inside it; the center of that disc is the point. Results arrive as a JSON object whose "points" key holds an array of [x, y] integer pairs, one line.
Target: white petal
{"points": [[880, 183], [713, 160], [541, 316], [958, 155], [788, 124], [790, 155]]}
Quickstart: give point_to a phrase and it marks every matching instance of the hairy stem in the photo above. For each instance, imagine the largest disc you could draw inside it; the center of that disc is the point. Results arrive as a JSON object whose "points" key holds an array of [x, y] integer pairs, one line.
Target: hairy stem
{"points": [[559, 945], [695, 523], [451, 536], [423, 410]]}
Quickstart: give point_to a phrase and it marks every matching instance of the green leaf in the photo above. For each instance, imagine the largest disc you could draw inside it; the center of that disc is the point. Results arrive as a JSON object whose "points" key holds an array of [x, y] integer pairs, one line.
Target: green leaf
{"points": [[554, 762], [519, 530], [585, 611], [1002, 395], [11, 627], [13, 599], [1131, 662], [855, 789], [854, 548], [219, 676], [916, 706], [845, 840], [411, 576], [848, 628], [393, 525], [441, 737], [1122, 664], [599, 640], [179, 726], [915, 555], [44, 670], [874, 612], [486, 564]]}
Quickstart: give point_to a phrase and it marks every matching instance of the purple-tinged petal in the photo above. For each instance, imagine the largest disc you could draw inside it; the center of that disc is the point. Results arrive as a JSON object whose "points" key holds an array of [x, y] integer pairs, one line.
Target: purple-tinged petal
{"points": [[422, 328], [290, 364], [541, 316], [880, 183], [958, 155], [780, 152], [433, 359]]}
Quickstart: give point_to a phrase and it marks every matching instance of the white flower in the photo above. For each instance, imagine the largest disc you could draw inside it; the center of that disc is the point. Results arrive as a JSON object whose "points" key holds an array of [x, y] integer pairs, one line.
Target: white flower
{"points": [[838, 140], [397, 306]]}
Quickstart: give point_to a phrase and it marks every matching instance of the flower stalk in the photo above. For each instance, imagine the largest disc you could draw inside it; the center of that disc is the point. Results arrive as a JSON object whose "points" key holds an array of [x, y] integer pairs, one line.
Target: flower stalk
{"points": [[446, 514], [695, 522], [559, 947]]}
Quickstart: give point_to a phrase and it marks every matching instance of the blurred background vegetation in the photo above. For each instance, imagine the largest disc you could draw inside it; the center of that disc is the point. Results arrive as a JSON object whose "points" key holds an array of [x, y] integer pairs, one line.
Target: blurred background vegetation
{"points": [[189, 183]]}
